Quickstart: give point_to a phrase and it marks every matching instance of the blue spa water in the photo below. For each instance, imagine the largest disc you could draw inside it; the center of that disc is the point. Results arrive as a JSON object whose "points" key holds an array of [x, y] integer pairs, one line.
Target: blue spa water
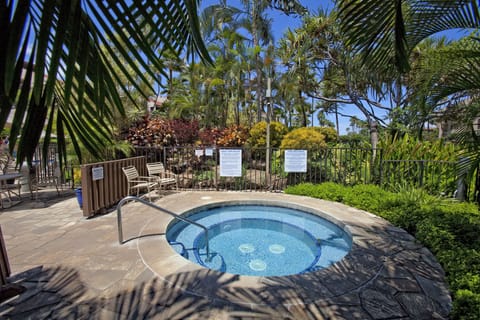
{"points": [[260, 240]]}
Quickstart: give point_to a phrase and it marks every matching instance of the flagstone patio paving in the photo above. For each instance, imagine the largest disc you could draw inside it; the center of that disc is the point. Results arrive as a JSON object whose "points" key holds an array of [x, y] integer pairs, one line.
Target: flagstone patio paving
{"points": [[74, 268]]}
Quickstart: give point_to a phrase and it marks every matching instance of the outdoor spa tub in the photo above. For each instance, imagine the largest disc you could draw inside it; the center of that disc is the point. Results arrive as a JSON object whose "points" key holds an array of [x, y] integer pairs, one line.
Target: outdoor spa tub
{"points": [[258, 239]]}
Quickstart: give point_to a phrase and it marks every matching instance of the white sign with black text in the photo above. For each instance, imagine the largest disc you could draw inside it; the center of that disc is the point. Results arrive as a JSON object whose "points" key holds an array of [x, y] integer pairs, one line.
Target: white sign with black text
{"points": [[97, 173], [295, 160], [198, 153], [230, 162]]}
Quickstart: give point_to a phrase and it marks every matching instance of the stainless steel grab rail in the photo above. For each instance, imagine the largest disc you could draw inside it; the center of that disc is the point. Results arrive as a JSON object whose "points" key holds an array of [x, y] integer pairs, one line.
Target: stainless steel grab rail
{"points": [[133, 198]]}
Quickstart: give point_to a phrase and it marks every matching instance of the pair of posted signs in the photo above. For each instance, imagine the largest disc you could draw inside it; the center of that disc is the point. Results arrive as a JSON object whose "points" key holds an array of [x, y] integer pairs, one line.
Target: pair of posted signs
{"points": [[231, 162]]}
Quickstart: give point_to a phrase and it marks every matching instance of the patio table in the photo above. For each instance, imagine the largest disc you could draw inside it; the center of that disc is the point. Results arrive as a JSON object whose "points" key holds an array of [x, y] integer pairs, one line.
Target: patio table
{"points": [[8, 188]]}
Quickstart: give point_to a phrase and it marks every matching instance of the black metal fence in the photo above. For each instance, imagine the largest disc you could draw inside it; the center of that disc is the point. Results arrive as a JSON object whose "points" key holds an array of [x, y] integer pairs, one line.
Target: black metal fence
{"points": [[198, 168], [437, 177]]}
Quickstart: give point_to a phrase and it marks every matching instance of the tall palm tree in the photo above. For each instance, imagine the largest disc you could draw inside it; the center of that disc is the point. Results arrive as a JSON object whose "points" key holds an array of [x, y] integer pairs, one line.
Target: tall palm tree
{"points": [[220, 26], [54, 72], [294, 55], [173, 64], [259, 26], [226, 26]]}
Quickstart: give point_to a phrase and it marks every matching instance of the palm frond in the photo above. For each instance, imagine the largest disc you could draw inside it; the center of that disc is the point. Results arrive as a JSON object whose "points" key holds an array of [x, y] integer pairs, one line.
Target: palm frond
{"points": [[460, 76], [385, 32], [376, 30], [59, 71], [431, 17]]}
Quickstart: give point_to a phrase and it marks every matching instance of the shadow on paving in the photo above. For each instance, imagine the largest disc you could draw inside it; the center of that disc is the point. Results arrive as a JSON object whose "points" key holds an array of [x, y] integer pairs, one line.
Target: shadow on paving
{"points": [[59, 293], [387, 275], [44, 199]]}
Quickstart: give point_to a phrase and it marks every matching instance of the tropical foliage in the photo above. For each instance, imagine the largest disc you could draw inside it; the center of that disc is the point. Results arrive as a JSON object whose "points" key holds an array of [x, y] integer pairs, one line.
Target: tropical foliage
{"points": [[163, 132], [449, 229], [387, 32], [397, 34], [234, 136], [407, 147], [54, 74], [408, 161], [133, 46], [82, 71]]}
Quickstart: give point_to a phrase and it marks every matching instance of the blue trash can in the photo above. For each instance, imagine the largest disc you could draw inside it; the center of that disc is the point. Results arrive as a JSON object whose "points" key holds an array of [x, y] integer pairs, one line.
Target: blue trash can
{"points": [[78, 192]]}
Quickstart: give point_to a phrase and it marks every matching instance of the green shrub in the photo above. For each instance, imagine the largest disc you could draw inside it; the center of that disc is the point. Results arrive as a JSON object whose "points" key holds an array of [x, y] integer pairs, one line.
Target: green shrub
{"points": [[204, 175], [465, 301], [303, 138], [366, 197], [460, 264], [328, 190], [411, 148], [459, 219], [428, 164], [449, 229], [470, 282], [406, 193], [434, 237]]}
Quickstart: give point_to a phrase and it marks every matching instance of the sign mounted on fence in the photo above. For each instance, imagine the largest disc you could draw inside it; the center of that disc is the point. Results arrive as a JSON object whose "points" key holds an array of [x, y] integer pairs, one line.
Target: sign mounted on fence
{"points": [[97, 173], [230, 162], [209, 152], [295, 160], [198, 153]]}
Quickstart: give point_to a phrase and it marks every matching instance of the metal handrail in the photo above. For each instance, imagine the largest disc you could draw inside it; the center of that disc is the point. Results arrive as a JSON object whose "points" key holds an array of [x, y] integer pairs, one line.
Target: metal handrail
{"points": [[133, 198]]}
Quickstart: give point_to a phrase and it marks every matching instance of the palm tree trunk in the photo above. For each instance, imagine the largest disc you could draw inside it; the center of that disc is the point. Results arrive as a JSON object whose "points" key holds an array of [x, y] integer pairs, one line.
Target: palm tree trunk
{"points": [[373, 136], [258, 67], [336, 120], [303, 109], [259, 89]]}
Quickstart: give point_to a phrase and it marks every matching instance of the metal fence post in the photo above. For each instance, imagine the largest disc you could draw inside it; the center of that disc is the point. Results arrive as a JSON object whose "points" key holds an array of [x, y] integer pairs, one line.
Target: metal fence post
{"points": [[380, 169], [422, 168]]}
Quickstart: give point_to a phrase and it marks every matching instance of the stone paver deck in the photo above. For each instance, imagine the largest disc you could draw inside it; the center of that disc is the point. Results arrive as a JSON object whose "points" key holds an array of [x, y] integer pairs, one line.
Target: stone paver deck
{"points": [[74, 268]]}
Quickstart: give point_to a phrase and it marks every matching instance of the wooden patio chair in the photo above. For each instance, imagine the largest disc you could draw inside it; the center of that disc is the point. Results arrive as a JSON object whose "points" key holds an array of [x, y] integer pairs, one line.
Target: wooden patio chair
{"points": [[137, 182], [164, 178]]}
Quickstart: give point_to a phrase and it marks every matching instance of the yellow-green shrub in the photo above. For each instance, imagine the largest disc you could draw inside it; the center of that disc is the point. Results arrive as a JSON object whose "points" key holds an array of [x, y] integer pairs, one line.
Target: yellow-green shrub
{"points": [[329, 133], [304, 138], [258, 134]]}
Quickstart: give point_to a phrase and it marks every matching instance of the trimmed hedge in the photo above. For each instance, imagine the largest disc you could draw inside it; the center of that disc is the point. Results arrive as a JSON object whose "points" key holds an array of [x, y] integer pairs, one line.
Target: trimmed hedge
{"points": [[450, 229]]}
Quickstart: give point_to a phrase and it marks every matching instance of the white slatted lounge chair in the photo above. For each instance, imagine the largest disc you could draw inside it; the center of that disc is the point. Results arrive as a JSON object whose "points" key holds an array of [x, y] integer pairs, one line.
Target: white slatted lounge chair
{"points": [[137, 182], [164, 178]]}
